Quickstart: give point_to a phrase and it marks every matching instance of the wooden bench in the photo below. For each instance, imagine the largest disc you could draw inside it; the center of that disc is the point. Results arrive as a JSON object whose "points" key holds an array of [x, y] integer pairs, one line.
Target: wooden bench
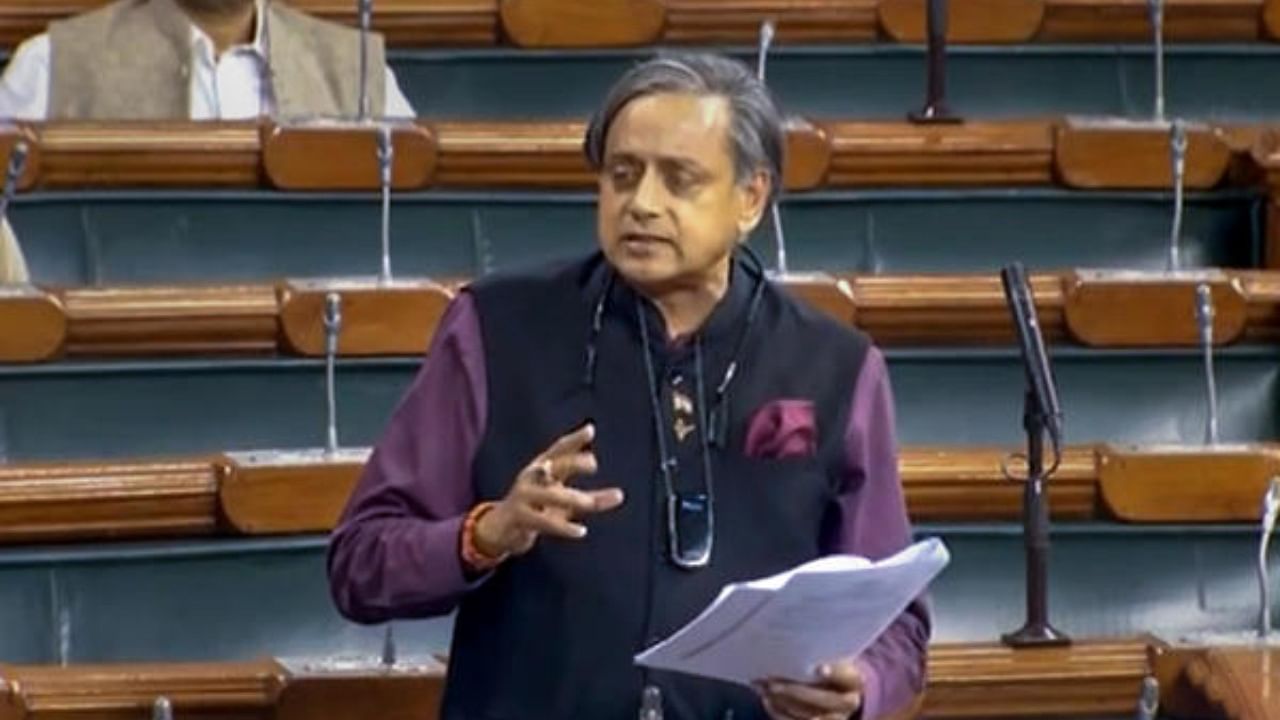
{"points": [[1105, 310], [966, 681], [304, 491], [627, 23], [823, 154]]}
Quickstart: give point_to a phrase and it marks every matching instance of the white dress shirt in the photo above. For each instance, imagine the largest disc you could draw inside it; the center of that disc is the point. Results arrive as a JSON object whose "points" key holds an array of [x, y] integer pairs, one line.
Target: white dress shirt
{"points": [[222, 88]]}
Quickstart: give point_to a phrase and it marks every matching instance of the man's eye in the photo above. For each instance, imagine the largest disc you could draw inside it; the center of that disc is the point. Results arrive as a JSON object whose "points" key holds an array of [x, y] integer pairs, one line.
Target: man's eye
{"points": [[623, 173], [681, 181]]}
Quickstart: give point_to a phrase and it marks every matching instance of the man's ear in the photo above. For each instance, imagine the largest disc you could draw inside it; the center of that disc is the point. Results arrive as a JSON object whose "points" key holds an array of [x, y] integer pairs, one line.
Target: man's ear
{"points": [[754, 200]]}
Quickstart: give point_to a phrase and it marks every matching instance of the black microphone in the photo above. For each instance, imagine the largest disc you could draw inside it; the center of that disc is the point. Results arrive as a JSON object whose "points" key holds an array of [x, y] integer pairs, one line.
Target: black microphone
{"points": [[1017, 292], [1041, 415]]}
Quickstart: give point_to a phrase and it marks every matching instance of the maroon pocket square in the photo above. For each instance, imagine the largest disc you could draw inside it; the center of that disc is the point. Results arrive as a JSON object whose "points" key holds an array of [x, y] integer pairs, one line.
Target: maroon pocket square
{"points": [[782, 429]]}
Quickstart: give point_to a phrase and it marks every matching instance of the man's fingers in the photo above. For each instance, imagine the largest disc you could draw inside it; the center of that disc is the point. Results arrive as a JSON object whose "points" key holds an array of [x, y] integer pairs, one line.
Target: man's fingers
{"points": [[607, 499], [559, 469], [563, 468], [775, 712], [572, 501], [818, 700], [786, 707], [843, 675], [545, 523], [575, 441]]}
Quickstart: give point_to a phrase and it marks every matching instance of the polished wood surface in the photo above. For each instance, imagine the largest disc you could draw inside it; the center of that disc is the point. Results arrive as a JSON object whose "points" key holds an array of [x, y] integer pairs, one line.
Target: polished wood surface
{"points": [[531, 155], [808, 155], [495, 154], [1096, 154], [575, 24], [976, 21], [266, 496], [345, 156], [419, 22], [33, 325], [175, 320], [1271, 19], [107, 500], [293, 491], [178, 153], [549, 154], [972, 681], [828, 293], [797, 21], [410, 23], [1128, 20], [1085, 679], [969, 484], [1087, 308], [221, 691], [1121, 309], [1242, 683], [368, 694], [399, 318], [950, 309], [1223, 483], [978, 153], [1262, 289]]}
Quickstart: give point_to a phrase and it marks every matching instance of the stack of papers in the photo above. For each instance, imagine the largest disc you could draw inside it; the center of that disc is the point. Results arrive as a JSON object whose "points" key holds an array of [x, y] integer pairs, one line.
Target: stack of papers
{"points": [[785, 625]]}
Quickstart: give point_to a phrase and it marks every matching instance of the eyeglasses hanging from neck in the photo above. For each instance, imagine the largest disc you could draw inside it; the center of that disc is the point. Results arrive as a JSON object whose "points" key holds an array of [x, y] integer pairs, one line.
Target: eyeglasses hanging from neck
{"points": [[690, 515]]}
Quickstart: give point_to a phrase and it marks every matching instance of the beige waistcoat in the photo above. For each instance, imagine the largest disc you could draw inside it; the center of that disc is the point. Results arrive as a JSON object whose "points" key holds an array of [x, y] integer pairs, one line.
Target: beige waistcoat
{"points": [[131, 60]]}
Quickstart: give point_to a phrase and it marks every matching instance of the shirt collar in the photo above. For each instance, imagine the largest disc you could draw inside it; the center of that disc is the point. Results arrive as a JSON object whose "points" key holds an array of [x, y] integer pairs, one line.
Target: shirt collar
{"points": [[203, 44]]}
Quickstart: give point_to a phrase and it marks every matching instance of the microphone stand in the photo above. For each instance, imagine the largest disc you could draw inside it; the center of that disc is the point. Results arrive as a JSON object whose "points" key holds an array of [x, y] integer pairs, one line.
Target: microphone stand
{"points": [[390, 655], [1035, 531], [935, 110], [767, 32], [386, 156], [1155, 9], [1149, 699], [332, 330], [363, 110], [1040, 416], [1270, 509], [1204, 322], [1178, 162]]}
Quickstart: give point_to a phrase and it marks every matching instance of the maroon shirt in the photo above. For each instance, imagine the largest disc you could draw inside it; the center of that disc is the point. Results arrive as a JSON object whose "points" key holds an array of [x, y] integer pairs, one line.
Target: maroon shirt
{"points": [[396, 550]]}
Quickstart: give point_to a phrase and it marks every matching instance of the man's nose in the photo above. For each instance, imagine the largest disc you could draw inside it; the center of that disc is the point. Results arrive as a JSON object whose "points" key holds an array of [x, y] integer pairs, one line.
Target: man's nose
{"points": [[648, 198]]}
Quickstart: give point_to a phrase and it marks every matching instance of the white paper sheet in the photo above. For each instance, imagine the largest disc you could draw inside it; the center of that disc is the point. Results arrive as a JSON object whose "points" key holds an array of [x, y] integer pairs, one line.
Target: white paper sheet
{"points": [[785, 625]]}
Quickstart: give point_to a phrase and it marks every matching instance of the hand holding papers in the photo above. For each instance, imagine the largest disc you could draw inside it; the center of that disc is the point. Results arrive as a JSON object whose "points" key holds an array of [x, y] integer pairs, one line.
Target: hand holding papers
{"points": [[785, 625]]}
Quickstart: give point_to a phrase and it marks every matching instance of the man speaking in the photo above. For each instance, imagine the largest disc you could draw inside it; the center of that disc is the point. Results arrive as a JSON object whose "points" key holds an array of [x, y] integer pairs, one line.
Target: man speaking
{"points": [[593, 450]]}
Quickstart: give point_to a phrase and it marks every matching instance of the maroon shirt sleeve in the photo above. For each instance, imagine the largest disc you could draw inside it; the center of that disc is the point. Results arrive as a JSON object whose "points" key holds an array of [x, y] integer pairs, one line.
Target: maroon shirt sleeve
{"points": [[396, 551], [873, 523]]}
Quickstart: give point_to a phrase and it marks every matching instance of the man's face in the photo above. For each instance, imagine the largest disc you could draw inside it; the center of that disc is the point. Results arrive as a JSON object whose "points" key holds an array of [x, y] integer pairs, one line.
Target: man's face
{"points": [[670, 208]]}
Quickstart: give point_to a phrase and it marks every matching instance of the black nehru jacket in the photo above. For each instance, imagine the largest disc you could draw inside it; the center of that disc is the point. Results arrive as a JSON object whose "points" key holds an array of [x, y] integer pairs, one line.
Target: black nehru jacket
{"points": [[552, 634]]}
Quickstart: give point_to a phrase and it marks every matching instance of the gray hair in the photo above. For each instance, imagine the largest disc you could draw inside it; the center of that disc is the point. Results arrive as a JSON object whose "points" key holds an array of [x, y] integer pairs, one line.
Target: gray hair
{"points": [[755, 131]]}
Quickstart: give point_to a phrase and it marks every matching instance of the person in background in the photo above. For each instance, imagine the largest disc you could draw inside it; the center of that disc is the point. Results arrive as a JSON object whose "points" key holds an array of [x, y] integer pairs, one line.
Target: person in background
{"points": [[13, 267], [593, 450], [198, 60]]}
